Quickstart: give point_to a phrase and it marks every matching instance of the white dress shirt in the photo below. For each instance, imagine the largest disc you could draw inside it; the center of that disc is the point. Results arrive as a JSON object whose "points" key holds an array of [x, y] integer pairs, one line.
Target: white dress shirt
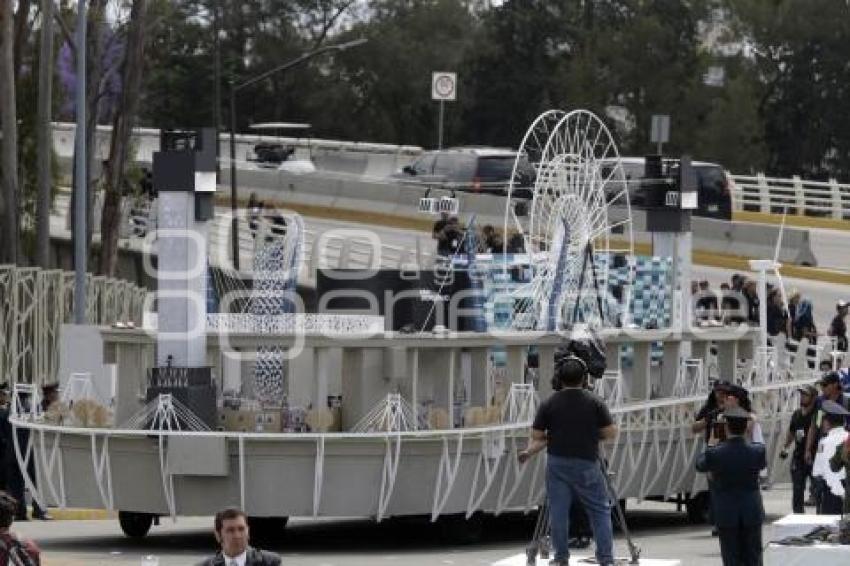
{"points": [[826, 450], [236, 560]]}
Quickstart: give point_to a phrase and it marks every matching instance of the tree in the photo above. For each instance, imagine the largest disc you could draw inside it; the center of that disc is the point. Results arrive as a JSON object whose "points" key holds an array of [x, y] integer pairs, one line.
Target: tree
{"points": [[131, 71], [22, 33], [381, 90], [45, 136], [799, 51], [9, 147]]}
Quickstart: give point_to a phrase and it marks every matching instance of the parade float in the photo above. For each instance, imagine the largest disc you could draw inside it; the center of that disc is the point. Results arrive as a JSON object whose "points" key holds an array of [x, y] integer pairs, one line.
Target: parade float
{"points": [[237, 396]]}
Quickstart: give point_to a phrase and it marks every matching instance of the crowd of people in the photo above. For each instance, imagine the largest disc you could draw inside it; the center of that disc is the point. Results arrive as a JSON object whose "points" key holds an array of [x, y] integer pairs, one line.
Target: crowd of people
{"points": [[451, 238], [816, 443], [738, 302], [570, 424]]}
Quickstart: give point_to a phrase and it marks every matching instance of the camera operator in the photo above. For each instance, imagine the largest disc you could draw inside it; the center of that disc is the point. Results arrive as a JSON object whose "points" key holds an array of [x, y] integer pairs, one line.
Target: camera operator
{"points": [[734, 465], [707, 423], [570, 424]]}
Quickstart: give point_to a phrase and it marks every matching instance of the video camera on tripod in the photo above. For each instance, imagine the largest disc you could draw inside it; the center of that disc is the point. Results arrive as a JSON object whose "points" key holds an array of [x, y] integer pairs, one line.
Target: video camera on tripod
{"points": [[590, 349]]}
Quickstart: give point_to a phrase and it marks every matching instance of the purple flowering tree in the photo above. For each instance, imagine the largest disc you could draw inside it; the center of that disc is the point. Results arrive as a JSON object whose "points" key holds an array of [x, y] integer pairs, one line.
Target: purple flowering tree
{"points": [[109, 91]]}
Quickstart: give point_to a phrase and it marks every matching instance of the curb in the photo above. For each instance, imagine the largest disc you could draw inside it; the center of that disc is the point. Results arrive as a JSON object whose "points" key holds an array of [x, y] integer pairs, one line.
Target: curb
{"points": [[797, 220], [70, 514]]}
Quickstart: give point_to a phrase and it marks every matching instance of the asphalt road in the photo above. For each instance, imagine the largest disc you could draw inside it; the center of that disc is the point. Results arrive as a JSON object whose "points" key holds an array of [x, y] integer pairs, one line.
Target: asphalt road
{"points": [[658, 529]]}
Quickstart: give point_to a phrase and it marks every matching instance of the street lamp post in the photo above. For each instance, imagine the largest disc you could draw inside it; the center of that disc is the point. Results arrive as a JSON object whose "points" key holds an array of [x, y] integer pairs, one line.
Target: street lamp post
{"points": [[234, 89]]}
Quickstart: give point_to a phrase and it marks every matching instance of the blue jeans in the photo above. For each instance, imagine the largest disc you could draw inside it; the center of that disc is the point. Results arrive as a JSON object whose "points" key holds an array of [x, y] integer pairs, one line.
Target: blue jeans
{"points": [[574, 477]]}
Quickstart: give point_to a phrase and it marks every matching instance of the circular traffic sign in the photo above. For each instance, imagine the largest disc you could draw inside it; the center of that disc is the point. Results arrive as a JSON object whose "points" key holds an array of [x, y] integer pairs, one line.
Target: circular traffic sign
{"points": [[445, 86]]}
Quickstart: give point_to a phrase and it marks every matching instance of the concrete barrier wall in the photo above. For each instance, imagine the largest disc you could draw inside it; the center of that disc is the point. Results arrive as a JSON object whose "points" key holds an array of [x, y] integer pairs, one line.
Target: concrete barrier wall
{"points": [[754, 240], [354, 192], [738, 238], [358, 158]]}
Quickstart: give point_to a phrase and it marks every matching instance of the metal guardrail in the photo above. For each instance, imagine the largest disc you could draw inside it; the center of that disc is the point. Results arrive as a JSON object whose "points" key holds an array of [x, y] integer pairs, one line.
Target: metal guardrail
{"points": [[771, 195]]}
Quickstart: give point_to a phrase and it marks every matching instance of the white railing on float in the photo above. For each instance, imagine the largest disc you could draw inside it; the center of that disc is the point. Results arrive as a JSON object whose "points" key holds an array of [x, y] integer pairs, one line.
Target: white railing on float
{"points": [[772, 195], [654, 449]]}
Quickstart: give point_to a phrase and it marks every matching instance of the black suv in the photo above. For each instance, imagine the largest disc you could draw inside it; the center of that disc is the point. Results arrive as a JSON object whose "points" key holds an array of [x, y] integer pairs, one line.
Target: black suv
{"points": [[714, 199], [472, 169]]}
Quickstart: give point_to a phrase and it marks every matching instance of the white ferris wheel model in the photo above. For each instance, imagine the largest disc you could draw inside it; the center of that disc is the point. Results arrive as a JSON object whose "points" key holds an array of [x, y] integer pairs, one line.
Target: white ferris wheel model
{"points": [[570, 168]]}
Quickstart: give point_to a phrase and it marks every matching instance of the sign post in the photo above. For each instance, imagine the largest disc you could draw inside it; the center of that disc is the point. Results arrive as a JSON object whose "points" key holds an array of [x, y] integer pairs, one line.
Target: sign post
{"points": [[660, 131], [443, 88]]}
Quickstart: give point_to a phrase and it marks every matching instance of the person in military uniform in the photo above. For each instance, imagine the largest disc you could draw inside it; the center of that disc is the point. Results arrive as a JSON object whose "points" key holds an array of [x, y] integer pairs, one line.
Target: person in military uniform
{"points": [[734, 467]]}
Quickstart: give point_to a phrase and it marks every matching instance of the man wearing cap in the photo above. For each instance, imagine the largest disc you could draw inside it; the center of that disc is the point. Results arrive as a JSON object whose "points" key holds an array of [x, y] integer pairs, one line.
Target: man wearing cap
{"points": [[831, 390], [705, 423], [838, 326], [734, 466], [801, 420], [831, 499], [708, 413]]}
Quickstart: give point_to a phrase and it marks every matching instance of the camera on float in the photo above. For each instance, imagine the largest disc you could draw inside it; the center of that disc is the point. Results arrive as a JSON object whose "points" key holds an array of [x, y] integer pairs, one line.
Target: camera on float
{"points": [[588, 354]]}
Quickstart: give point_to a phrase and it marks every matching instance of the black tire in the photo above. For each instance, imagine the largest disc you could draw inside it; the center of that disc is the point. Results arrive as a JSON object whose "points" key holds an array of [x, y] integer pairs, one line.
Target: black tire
{"points": [[697, 507], [135, 525], [457, 529], [267, 528]]}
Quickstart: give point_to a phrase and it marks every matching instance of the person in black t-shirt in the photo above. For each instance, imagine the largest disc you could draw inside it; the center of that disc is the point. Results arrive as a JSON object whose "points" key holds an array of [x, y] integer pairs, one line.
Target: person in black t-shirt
{"points": [[570, 424], [838, 326], [801, 420], [437, 229], [707, 415], [776, 315], [450, 238]]}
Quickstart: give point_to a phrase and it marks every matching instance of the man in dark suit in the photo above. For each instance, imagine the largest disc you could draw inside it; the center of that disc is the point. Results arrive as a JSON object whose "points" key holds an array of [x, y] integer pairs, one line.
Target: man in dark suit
{"points": [[734, 465], [231, 532]]}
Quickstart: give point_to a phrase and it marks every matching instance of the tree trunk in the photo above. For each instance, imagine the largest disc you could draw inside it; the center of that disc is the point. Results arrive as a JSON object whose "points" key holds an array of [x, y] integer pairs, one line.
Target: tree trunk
{"points": [[9, 143], [93, 99], [21, 32], [131, 71], [45, 138]]}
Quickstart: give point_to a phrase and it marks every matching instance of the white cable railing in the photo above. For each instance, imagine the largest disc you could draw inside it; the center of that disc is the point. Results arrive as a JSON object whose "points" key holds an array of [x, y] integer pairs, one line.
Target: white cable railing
{"points": [[771, 195]]}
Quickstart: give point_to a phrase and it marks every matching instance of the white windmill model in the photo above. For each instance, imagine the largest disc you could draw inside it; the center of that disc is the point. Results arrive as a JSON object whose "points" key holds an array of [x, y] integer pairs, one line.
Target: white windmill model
{"points": [[766, 356], [569, 167]]}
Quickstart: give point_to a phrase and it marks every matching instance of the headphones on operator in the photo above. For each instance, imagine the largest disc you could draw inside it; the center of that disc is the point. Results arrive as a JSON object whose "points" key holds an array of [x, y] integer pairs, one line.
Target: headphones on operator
{"points": [[568, 363]]}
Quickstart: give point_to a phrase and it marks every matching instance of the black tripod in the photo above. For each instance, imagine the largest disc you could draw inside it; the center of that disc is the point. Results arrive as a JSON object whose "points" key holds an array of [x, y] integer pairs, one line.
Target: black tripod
{"points": [[540, 542]]}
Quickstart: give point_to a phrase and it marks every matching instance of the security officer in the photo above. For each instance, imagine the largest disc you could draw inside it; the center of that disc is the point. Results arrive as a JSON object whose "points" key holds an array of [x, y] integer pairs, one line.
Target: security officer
{"points": [[570, 424], [734, 465], [801, 420]]}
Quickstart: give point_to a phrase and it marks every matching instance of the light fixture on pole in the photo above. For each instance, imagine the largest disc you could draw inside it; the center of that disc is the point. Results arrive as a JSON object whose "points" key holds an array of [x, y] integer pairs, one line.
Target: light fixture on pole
{"points": [[235, 88]]}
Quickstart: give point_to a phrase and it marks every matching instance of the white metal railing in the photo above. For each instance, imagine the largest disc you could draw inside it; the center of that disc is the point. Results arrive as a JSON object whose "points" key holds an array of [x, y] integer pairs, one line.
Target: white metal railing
{"points": [[654, 450], [771, 195], [34, 303]]}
